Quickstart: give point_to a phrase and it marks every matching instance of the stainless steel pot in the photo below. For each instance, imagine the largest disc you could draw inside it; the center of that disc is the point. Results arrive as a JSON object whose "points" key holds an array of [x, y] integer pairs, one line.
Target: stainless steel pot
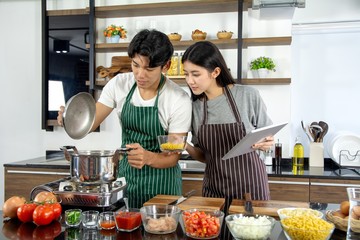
{"points": [[92, 167]]}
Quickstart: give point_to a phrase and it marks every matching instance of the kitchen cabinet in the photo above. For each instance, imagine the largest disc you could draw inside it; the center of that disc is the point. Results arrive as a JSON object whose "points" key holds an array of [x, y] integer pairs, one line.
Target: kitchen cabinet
{"points": [[20, 181], [192, 181], [330, 190], [289, 189]]}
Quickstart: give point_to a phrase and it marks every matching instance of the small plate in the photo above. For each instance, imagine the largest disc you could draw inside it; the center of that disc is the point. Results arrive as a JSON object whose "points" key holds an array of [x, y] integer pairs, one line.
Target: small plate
{"points": [[79, 115]]}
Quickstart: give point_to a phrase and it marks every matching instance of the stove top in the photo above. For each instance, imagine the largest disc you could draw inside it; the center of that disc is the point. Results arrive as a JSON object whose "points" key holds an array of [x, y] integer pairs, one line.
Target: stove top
{"points": [[76, 194]]}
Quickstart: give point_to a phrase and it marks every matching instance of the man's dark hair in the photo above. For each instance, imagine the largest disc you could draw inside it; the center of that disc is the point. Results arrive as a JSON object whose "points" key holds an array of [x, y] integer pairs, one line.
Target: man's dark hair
{"points": [[152, 44]]}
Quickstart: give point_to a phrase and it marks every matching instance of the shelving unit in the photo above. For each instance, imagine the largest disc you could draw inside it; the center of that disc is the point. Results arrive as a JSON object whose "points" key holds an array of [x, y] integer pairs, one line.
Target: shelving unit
{"points": [[172, 8], [188, 7]]}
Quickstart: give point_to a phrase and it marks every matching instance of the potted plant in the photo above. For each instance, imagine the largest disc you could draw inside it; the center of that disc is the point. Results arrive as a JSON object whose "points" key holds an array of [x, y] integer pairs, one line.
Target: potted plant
{"points": [[262, 66], [113, 33]]}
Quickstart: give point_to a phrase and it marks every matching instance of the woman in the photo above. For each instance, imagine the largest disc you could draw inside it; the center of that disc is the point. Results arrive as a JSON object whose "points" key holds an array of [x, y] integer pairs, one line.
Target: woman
{"points": [[222, 114], [148, 105]]}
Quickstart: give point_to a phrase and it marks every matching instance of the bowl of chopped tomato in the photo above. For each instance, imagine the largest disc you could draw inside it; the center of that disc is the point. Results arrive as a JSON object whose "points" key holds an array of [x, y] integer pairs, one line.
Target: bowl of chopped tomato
{"points": [[127, 220], [160, 219], [202, 223]]}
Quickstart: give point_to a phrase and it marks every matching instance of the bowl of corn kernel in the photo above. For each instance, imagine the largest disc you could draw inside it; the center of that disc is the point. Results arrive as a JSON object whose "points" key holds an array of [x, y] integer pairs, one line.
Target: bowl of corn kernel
{"points": [[307, 227], [172, 143]]}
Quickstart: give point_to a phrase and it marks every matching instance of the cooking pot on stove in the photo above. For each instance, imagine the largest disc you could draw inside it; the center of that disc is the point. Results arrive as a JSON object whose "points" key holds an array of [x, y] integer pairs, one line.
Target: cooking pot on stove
{"points": [[92, 167]]}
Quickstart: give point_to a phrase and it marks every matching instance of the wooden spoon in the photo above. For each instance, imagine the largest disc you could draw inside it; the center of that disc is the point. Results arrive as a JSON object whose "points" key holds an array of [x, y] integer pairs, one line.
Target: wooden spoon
{"points": [[325, 128]]}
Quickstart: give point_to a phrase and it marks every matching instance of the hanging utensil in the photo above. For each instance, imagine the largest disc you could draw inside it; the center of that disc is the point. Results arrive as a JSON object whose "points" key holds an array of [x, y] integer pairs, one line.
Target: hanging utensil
{"points": [[306, 132]]}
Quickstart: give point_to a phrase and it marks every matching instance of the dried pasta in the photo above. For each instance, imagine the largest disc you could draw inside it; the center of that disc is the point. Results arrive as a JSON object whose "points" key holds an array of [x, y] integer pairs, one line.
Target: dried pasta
{"points": [[172, 146], [307, 228]]}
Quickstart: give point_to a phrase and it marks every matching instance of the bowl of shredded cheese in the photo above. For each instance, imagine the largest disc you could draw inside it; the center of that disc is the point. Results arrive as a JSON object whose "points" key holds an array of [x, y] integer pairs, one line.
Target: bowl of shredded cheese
{"points": [[172, 143], [306, 228], [256, 227], [293, 212]]}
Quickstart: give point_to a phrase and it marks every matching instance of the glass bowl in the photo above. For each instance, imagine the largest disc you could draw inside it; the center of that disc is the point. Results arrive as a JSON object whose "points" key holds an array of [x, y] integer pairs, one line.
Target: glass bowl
{"points": [[172, 143], [201, 223], [250, 227], [160, 219], [292, 212], [307, 227], [127, 220]]}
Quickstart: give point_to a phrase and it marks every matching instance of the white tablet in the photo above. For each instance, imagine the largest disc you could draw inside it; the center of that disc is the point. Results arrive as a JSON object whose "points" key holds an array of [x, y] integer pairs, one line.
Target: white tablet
{"points": [[256, 135]]}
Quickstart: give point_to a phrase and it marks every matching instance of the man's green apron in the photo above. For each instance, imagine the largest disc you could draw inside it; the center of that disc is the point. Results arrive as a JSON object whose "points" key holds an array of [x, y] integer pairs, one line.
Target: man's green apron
{"points": [[142, 125]]}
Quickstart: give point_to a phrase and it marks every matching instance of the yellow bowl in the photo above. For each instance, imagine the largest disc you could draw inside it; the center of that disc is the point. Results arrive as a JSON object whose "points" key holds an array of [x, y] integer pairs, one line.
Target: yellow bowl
{"points": [[198, 36], [174, 36], [224, 35]]}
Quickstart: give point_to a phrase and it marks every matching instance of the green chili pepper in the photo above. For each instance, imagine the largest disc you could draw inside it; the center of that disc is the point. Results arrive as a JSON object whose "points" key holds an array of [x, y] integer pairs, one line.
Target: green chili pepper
{"points": [[73, 217]]}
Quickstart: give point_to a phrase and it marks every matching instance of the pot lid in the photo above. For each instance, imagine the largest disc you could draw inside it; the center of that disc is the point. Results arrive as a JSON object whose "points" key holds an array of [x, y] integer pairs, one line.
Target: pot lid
{"points": [[79, 115]]}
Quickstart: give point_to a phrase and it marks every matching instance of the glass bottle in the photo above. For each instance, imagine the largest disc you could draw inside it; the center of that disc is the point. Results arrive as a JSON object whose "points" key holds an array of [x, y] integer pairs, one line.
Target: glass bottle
{"points": [[181, 65], [298, 156], [173, 69]]}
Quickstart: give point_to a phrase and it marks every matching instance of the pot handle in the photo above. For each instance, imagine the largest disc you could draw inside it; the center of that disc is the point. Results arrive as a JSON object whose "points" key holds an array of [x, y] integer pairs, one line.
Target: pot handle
{"points": [[66, 153]]}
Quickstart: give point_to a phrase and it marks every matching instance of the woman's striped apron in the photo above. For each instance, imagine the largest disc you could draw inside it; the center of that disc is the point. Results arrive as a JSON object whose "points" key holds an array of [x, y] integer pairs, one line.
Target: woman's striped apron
{"points": [[232, 178], [142, 125]]}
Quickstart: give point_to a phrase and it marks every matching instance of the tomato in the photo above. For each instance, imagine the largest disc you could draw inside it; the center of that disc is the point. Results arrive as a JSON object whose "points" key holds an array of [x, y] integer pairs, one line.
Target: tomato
{"points": [[56, 208], [43, 215], [200, 224], [128, 220], [25, 212]]}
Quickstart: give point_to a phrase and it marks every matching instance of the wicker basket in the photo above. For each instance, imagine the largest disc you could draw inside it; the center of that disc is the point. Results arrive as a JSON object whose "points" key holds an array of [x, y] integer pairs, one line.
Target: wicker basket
{"points": [[340, 223]]}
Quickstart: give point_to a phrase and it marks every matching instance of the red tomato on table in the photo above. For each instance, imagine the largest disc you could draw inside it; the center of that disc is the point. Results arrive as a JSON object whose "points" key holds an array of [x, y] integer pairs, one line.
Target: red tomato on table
{"points": [[25, 212], [43, 215], [56, 208], [200, 224]]}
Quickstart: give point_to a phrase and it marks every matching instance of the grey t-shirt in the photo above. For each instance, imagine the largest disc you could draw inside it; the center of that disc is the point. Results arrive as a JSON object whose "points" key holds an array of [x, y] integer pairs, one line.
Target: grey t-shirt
{"points": [[251, 107]]}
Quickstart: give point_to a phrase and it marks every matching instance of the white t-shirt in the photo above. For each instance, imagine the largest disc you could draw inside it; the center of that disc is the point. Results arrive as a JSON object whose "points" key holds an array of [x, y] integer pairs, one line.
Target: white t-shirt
{"points": [[174, 103]]}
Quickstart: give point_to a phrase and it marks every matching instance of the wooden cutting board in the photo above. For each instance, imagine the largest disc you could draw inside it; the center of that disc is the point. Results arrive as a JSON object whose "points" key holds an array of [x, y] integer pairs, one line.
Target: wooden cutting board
{"points": [[265, 207], [191, 202]]}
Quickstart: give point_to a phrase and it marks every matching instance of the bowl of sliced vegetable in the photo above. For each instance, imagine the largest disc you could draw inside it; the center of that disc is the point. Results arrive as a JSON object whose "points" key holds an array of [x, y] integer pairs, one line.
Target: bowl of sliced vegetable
{"points": [[73, 217], [256, 227], [201, 223]]}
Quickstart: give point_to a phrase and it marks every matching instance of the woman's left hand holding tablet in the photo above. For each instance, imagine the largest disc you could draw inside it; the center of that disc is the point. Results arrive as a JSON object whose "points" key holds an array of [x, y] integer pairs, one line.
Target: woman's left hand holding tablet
{"points": [[265, 144]]}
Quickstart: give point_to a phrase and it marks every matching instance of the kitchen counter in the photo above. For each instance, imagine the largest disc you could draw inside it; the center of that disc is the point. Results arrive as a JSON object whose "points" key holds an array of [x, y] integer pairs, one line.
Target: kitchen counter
{"points": [[14, 227], [330, 170]]}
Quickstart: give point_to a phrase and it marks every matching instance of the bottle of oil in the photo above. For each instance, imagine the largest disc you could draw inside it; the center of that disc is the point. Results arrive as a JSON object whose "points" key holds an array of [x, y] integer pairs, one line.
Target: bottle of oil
{"points": [[298, 156]]}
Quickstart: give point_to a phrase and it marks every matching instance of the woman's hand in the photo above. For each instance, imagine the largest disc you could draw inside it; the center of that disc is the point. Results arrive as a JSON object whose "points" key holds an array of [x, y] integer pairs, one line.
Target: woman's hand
{"points": [[60, 116], [265, 144]]}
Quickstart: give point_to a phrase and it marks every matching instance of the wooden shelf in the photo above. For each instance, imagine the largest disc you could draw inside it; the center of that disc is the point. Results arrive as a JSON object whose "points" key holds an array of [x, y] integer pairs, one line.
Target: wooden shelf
{"points": [[169, 8], [245, 81], [265, 81], [222, 44], [67, 12]]}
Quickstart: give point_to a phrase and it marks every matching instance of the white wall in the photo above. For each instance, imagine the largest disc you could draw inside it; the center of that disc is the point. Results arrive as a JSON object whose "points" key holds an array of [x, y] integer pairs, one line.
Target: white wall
{"points": [[20, 65]]}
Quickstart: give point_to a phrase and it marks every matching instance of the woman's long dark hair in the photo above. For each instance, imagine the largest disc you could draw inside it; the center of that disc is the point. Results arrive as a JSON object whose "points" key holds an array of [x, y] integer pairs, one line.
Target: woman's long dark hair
{"points": [[206, 54]]}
